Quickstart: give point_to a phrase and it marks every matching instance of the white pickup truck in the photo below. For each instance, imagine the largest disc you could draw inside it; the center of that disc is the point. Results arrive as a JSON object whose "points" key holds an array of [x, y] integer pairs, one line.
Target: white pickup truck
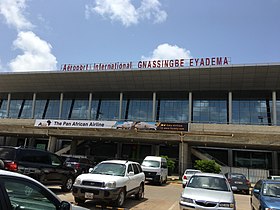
{"points": [[111, 180]]}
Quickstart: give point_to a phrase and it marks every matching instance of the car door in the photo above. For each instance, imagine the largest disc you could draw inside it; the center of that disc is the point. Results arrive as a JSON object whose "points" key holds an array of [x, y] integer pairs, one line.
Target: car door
{"points": [[20, 193], [255, 195], [131, 183]]}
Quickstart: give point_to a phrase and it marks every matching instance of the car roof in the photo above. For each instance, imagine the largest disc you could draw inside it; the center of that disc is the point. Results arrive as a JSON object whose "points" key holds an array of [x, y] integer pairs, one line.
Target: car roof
{"points": [[271, 181], [209, 175], [118, 161]]}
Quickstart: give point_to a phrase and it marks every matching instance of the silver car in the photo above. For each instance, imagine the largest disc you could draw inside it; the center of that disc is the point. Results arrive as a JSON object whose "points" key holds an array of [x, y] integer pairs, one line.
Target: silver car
{"points": [[205, 191]]}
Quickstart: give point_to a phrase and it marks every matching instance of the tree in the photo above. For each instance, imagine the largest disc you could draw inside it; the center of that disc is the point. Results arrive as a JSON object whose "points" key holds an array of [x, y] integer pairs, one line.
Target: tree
{"points": [[170, 164], [209, 166]]}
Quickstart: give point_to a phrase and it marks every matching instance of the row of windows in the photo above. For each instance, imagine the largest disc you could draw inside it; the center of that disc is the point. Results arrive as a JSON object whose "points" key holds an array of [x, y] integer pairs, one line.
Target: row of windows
{"points": [[203, 111]]}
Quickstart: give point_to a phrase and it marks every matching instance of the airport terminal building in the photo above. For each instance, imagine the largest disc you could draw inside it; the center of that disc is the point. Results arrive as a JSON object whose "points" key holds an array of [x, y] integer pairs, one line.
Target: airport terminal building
{"points": [[184, 109]]}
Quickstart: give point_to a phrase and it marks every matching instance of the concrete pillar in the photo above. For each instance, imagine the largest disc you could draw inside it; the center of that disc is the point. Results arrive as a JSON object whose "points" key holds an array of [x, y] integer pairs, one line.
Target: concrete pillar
{"points": [[89, 106], [275, 166], [190, 107], [229, 107], [52, 144], [73, 148], [33, 106], [8, 105], [154, 106], [120, 106], [183, 156], [157, 150], [230, 158], [274, 109], [119, 150], [60, 106]]}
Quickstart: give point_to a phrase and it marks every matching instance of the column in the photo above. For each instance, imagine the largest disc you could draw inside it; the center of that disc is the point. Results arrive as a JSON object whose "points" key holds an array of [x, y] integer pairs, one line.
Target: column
{"points": [[190, 107], [229, 107], [52, 144], [89, 106], [154, 106], [60, 106], [8, 105], [274, 109], [275, 167], [73, 148], [230, 158], [120, 106], [157, 150], [183, 155], [33, 106], [119, 150]]}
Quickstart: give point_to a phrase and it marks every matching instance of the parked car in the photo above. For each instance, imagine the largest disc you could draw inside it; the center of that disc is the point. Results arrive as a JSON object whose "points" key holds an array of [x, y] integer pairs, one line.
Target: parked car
{"points": [[112, 181], [240, 181], [81, 164], [44, 166], [206, 191], [265, 195], [187, 175], [274, 177], [18, 191], [155, 169]]}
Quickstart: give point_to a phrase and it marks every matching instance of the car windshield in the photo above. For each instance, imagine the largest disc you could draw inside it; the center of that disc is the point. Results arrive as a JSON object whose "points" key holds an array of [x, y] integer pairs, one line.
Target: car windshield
{"points": [[7, 153], [271, 189], [72, 159], [113, 169], [238, 176], [207, 182], [151, 163]]}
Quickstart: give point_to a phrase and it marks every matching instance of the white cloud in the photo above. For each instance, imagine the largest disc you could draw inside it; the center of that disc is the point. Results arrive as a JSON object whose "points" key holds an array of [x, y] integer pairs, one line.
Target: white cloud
{"points": [[13, 10], [166, 51], [125, 12], [36, 54]]}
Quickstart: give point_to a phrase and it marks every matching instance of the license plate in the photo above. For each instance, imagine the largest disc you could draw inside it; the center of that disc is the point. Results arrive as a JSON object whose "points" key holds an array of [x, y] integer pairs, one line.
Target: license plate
{"points": [[238, 182], [89, 195]]}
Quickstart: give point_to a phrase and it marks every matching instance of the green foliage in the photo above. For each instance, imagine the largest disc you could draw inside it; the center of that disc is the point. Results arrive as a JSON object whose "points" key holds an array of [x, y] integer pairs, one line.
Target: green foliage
{"points": [[170, 163], [209, 166]]}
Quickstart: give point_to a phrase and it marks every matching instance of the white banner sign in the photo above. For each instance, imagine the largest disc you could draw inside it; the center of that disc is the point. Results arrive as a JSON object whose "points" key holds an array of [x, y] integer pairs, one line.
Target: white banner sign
{"points": [[75, 123]]}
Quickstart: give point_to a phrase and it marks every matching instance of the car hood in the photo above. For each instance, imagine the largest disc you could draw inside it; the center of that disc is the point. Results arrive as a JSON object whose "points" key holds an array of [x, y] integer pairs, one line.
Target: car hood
{"points": [[99, 177], [271, 202], [74, 207], [208, 195]]}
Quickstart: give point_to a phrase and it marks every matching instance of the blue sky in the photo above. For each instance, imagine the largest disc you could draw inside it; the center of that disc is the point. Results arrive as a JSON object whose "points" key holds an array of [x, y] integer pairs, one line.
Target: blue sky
{"points": [[38, 35]]}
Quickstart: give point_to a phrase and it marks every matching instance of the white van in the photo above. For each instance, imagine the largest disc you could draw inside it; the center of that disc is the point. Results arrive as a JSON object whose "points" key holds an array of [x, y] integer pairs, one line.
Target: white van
{"points": [[155, 169]]}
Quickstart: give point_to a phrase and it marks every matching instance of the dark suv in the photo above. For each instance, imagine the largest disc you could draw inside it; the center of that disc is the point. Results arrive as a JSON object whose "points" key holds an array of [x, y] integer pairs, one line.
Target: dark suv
{"points": [[81, 164], [41, 165]]}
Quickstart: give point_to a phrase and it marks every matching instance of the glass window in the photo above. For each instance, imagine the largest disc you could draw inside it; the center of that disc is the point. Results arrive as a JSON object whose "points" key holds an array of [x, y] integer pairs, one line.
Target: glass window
{"points": [[210, 111], [25, 195], [3, 108], [80, 110], [26, 112], [140, 110], [173, 110], [66, 109], [251, 112], [40, 106], [108, 110], [52, 109], [15, 108]]}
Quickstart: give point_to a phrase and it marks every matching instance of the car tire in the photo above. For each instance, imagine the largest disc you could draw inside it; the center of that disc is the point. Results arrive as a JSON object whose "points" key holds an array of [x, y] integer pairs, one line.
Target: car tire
{"points": [[121, 198], [67, 185], [79, 201], [140, 194]]}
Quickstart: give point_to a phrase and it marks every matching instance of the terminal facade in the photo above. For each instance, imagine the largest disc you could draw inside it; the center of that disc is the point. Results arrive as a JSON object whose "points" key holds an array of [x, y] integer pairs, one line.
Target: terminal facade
{"points": [[228, 113]]}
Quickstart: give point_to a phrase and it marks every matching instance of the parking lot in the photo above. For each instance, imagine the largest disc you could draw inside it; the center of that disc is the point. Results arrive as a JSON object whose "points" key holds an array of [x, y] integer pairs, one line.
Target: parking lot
{"points": [[164, 197]]}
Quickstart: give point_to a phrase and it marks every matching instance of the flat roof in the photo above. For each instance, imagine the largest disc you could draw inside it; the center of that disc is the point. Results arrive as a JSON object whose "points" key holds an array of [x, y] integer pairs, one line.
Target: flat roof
{"points": [[229, 78]]}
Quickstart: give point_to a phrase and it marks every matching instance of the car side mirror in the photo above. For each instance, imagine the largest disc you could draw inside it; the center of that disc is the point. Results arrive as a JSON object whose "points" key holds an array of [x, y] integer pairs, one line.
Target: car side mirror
{"points": [[234, 188], [90, 170], [65, 205], [131, 173]]}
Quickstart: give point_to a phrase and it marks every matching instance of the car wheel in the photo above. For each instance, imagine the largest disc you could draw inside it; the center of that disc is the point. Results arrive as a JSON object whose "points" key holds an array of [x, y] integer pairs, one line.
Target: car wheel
{"points": [[140, 193], [67, 186], [79, 201], [120, 200]]}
